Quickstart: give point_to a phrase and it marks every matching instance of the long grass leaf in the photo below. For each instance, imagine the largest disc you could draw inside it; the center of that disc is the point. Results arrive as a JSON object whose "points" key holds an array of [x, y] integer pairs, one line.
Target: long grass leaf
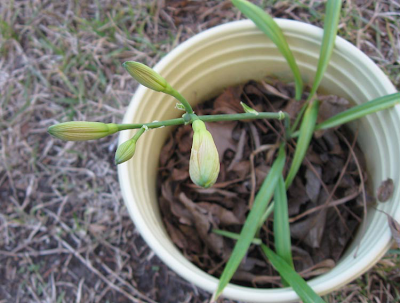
{"points": [[332, 14], [282, 241], [250, 226], [234, 236], [270, 28], [361, 110], [306, 132], [303, 290]]}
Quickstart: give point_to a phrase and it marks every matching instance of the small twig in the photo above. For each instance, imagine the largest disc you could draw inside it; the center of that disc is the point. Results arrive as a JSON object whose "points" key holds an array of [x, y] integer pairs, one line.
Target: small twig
{"points": [[320, 207]]}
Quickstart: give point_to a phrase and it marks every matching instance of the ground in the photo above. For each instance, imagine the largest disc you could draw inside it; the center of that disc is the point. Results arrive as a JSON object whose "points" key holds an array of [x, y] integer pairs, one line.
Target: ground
{"points": [[65, 234]]}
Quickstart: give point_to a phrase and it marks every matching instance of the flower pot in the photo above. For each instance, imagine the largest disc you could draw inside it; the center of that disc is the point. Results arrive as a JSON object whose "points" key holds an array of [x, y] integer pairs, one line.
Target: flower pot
{"points": [[234, 53]]}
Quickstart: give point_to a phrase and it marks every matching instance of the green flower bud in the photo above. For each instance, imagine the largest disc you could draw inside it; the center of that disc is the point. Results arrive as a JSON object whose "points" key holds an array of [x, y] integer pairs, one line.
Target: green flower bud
{"points": [[82, 130], [125, 151], [204, 159], [146, 76]]}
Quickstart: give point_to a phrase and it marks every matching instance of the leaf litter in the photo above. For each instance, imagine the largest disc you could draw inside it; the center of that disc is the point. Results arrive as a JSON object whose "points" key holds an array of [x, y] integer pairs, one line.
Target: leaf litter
{"points": [[325, 203]]}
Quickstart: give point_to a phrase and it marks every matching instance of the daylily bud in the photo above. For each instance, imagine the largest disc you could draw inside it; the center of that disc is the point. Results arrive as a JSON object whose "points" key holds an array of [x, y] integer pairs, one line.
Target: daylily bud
{"points": [[146, 76], [204, 159], [125, 151], [82, 130]]}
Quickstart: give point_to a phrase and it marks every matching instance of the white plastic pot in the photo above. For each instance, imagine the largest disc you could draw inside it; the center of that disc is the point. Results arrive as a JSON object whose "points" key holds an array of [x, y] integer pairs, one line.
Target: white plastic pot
{"points": [[234, 53]]}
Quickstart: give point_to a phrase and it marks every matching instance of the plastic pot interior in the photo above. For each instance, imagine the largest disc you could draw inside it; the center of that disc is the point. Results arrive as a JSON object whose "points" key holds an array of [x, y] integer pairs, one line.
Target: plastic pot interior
{"points": [[232, 54]]}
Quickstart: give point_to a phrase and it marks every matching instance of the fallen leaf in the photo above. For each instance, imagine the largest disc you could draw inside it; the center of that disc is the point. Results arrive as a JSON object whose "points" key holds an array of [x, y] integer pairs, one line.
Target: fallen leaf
{"points": [[229, 101], [223, 215], [313, 184], [184, 138], [179, 174], [176, 235], [222, 134], [394, 229], [204, 225], [385, 190]]}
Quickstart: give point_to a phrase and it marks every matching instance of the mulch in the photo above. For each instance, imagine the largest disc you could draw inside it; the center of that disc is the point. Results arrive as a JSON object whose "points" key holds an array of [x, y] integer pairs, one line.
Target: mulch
{"points": [[326, 201]]}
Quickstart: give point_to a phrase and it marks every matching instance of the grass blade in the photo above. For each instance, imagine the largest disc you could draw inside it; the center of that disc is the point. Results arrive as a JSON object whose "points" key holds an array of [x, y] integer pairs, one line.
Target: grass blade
{"points": [[306, 132], [234, 236], [282, 241], [303, 290], [270, 28], [361, 111], [250, 226], [331, 22]]}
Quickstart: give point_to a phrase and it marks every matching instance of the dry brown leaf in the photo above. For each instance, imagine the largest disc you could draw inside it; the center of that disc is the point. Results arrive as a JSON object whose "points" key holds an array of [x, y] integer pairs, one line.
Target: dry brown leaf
{"points": [[204, 225], [223, 215], [179, 174], [176, 235], [394, 229], [184, 138], [313, 184], [167, 151], [229, 101], [385, 190], [222, 134]]}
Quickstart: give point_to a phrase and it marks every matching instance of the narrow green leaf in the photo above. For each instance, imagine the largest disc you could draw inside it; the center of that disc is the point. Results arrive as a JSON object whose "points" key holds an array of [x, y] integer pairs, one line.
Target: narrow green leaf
{"points": [[360, 111], [235, 236], [282, 241], [270, 28], [306, 132], [332, 14], [250, 226], [303, 290], [248, 109]]}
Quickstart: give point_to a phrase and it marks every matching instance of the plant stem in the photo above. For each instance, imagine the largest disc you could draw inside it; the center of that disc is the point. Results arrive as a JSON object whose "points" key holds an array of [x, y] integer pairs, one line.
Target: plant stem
{"points": [[245, 116], [155, 124], [208, 118], [174, 93], [139, 133]]}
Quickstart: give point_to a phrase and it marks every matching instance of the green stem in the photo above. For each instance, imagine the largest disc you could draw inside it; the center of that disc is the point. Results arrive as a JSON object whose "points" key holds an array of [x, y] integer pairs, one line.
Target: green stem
{"points": [[139, 133], [155, 124], [207, 118], [245, 116], [174, 93]]}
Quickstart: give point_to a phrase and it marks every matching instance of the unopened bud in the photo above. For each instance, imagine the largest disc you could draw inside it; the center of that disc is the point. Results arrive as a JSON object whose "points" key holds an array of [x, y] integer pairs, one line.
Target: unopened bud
{"points": [[82, 130], [146, 76], [125, 151], [204, 160]]}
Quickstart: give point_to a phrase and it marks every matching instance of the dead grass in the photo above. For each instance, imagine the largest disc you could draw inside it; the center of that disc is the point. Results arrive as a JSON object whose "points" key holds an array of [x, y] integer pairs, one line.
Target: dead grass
{"points": [[65, 235]]}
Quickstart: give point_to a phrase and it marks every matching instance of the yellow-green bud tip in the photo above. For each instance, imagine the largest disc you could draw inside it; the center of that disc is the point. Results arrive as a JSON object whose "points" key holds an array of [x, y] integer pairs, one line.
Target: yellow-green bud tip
{"points": [[204, 160], [146, 76], [125, 151], [82, 130]]}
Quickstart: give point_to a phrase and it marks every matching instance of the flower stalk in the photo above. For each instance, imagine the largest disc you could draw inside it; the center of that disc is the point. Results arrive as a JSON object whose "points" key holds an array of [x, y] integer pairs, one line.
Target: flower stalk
{"points": [[127, 149]]}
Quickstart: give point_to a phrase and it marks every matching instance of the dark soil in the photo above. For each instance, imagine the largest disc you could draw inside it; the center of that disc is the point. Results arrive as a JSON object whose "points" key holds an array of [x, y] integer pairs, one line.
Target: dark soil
{"points": [[326, 201]]}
